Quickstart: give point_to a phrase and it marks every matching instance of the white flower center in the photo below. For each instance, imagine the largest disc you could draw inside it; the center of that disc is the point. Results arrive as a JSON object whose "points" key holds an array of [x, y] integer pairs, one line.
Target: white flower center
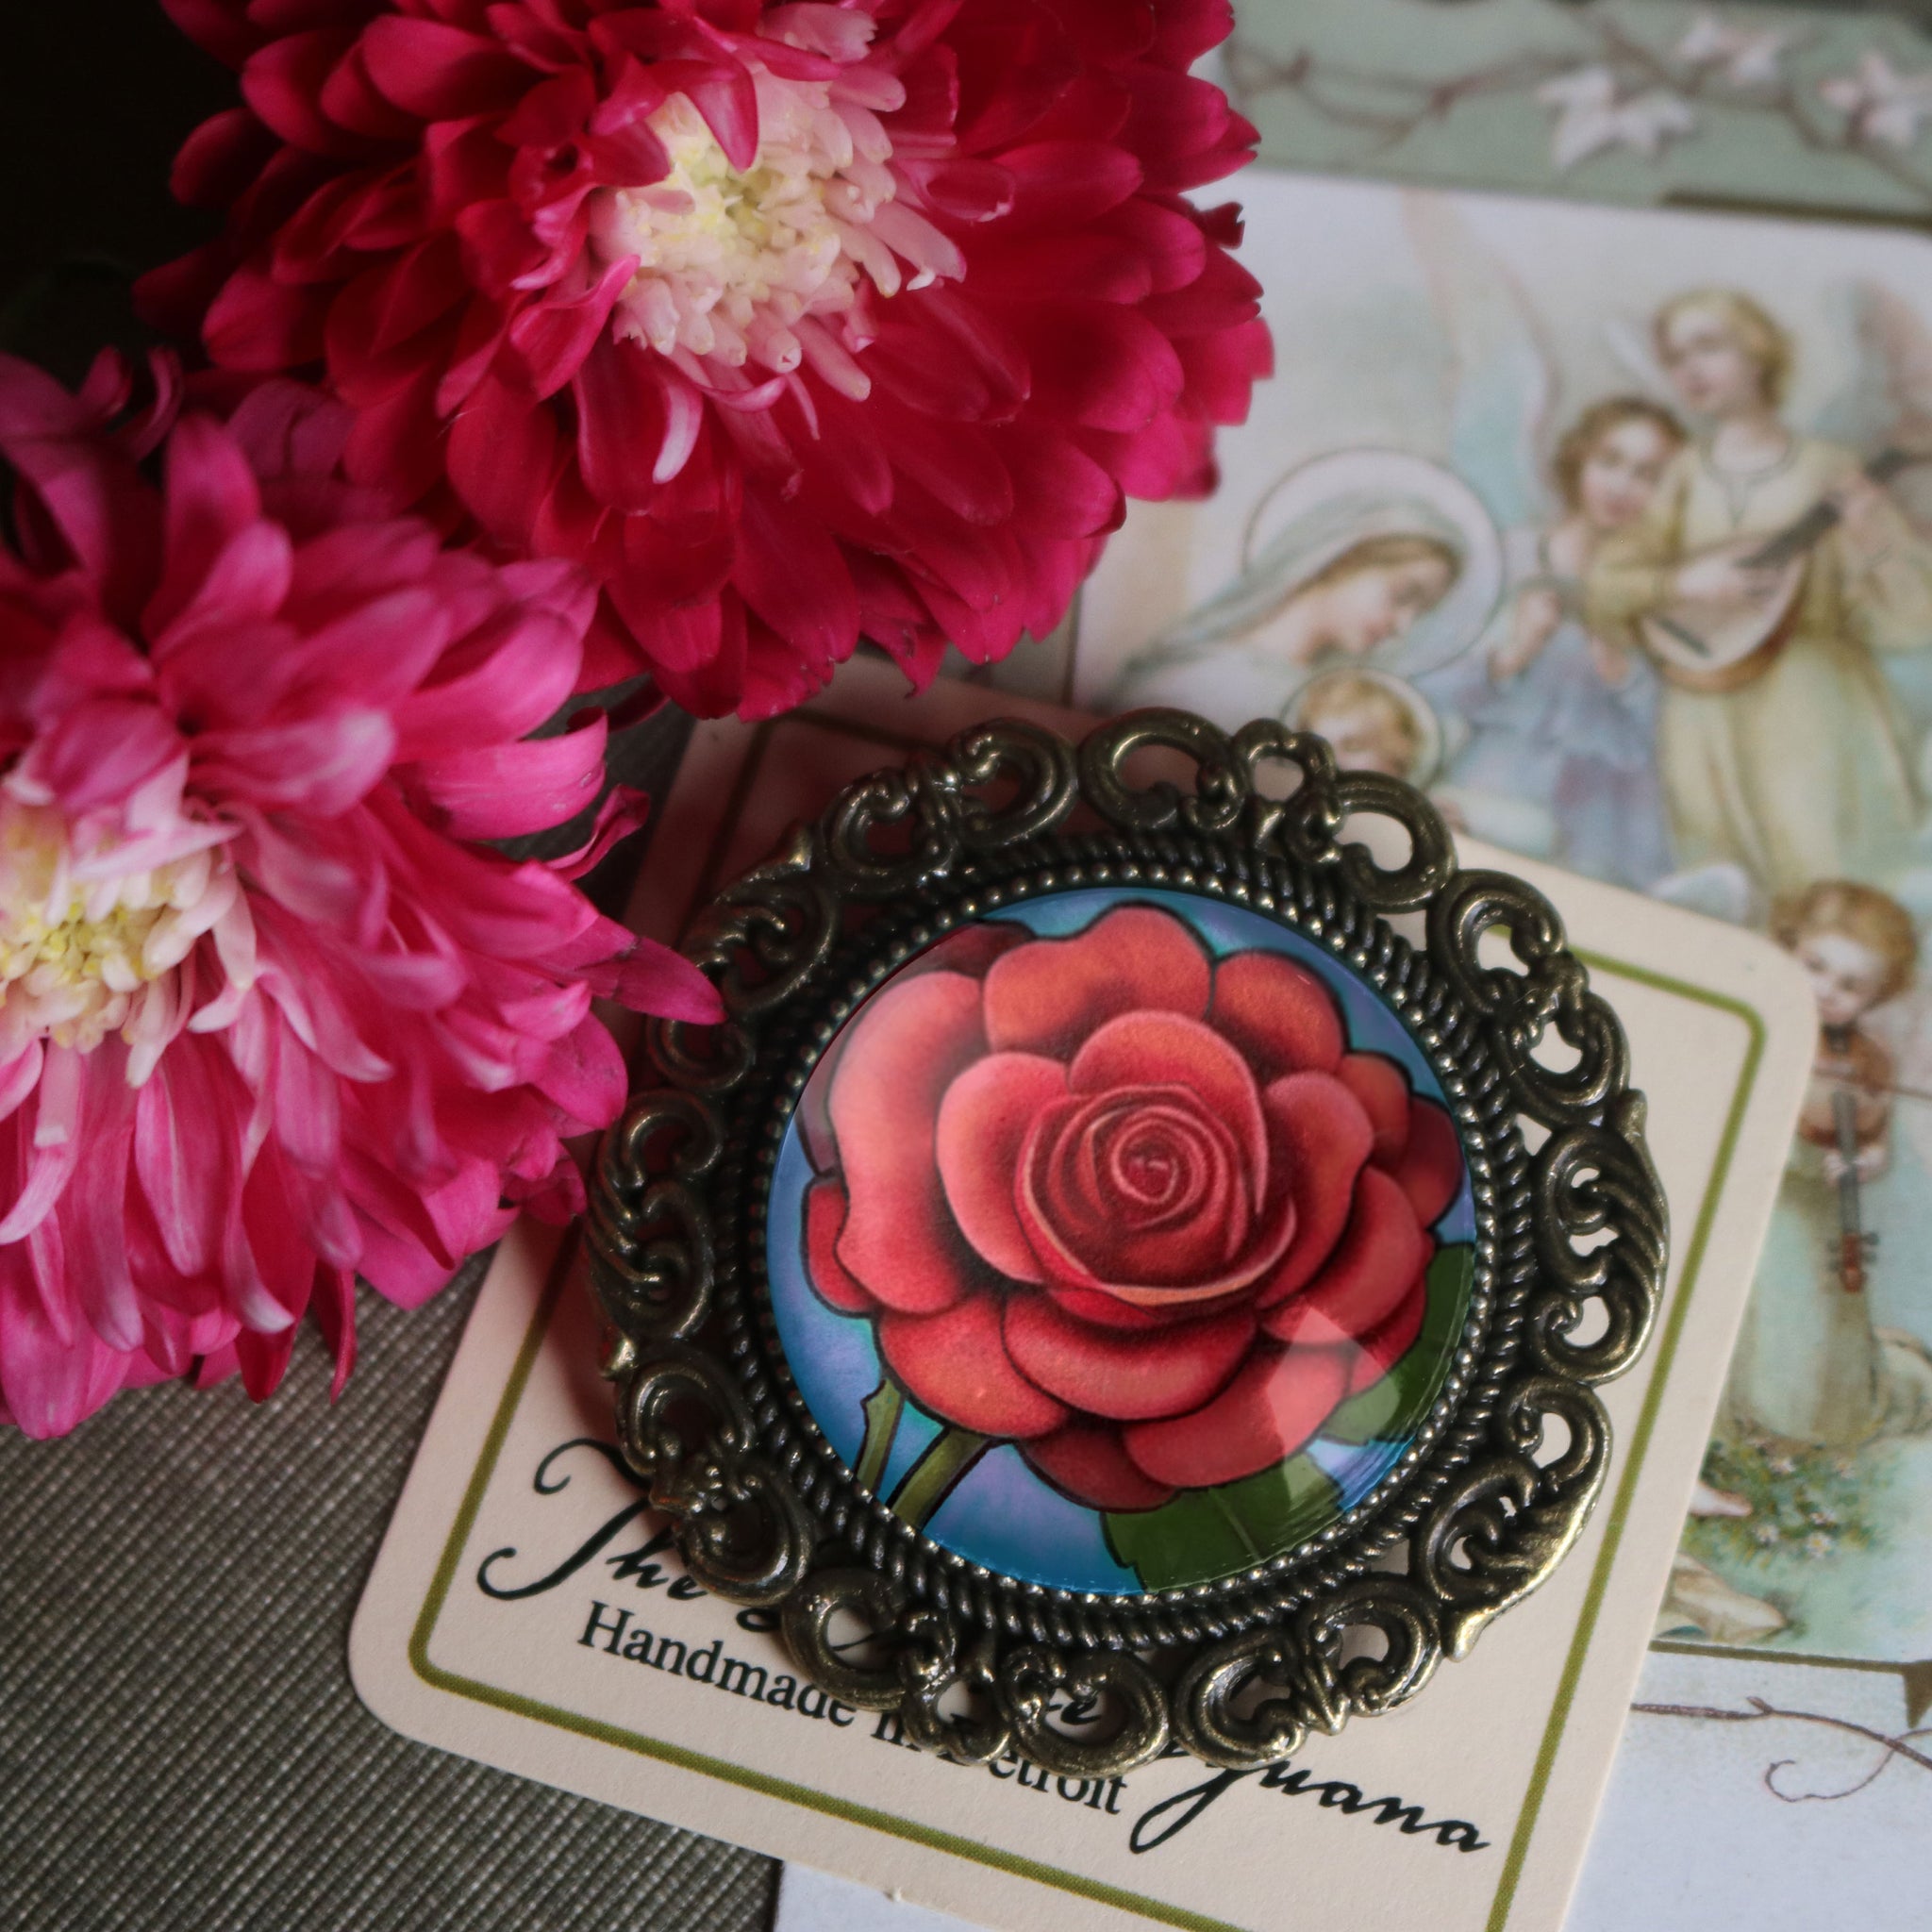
{"points": [[81, 942], [763, 265]]}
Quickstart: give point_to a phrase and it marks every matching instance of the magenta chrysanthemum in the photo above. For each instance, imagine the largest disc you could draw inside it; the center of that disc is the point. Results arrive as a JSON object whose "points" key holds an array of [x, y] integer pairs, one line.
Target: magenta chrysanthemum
{"points": [[790, 322], [269, 1018]]}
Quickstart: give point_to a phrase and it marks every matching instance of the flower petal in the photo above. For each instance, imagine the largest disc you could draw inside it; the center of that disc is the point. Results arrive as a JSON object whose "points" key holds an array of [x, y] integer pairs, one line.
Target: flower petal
{"points": [[955, 1365], [502, 455], [1382, 1087], [1118, 1372], [1088, 1463], [1377, 1352], [900, 1241], [1166, 1049], [1280, 1015], [1381, 1259], [825, 1222], [508, 790], [50, 1381], [181, 1138], [440, 72], [1048, 996], [1320, 1139], [1277, 1401], [1431, 1169], [983, 1123], [552, 338]]}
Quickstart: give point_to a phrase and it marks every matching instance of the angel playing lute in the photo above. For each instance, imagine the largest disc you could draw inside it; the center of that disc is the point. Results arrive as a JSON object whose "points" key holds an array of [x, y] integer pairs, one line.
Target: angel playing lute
{"points": [[1784, 760]]}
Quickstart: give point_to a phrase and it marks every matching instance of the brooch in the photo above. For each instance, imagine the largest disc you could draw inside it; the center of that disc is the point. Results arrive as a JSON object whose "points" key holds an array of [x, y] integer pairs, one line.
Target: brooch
{"points": [[1103, 1286]]}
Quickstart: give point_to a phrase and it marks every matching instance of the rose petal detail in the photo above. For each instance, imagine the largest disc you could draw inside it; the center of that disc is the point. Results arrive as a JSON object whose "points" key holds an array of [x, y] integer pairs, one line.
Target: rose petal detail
{"points": [[1099, 1308], [1431, 1167], [1382, 1087], [1278, 1015], [825, 1222], [1125, 1376], [1378, 1350], [1380, 1257], [1088, 1462], [1277, 1401], [1081, 1247], [954, 1364], [1049, 996], [1164, 1049], [1320, 1139], [983, 1124], [908, 1046]]}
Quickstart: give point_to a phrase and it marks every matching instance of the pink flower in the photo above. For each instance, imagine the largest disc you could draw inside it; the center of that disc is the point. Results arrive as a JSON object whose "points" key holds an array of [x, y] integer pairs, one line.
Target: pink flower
{"points": [[789, 323], [269, 1018]]}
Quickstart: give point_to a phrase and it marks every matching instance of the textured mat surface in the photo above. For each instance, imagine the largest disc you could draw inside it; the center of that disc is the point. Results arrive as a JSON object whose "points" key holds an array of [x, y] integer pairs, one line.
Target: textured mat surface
{"points": [[179, 1744]]}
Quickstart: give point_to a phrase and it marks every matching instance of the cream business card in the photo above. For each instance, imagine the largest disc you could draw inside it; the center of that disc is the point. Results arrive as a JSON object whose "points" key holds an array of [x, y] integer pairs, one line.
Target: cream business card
{"points": [[528, 1610]]}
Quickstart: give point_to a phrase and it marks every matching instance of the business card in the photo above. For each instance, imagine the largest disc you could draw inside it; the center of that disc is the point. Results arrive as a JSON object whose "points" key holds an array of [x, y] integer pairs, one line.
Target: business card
{"points": [[528, 1610]]}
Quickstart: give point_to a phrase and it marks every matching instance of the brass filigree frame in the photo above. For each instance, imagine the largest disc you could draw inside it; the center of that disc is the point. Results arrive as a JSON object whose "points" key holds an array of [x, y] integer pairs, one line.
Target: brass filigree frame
{"points": [[1570, 1252]]}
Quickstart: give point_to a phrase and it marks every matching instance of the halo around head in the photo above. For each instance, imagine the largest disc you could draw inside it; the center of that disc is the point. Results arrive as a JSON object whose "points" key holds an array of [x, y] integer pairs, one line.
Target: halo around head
{"points": [[1428, 726], [1369, 493]]}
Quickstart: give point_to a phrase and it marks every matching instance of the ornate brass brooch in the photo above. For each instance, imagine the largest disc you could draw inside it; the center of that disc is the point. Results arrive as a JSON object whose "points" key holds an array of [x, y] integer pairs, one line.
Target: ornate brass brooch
{"points": [[1102, 1283]]}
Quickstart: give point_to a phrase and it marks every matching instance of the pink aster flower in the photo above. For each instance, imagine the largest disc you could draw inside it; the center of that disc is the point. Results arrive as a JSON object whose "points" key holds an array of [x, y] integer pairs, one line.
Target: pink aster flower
{"points": [[790, 322], [270, 1017]]}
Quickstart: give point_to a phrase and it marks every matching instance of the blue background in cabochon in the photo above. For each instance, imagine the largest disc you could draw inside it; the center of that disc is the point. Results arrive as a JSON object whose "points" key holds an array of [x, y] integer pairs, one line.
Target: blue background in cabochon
{"points": [[1001, 1514]]}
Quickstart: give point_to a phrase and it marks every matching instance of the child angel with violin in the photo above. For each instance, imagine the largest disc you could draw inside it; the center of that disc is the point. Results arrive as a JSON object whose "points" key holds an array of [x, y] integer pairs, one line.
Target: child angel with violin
{"points": [[1811, 1367]]}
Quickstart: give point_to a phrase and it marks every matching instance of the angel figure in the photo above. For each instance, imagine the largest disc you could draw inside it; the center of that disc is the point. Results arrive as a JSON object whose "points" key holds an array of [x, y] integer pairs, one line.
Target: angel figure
{"points": [[1377, 721], [1812, 1366], [1362, 554], [1555, 714], [1565, 714], [1766, 573]]}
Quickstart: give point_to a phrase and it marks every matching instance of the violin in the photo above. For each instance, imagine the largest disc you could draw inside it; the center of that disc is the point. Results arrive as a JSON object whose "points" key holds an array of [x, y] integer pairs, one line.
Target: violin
{"points": [[1856, 1071]]}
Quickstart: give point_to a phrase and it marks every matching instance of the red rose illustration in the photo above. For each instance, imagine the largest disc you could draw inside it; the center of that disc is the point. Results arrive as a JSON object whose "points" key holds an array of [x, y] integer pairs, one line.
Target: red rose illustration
{"points": [[1142, 1211]]}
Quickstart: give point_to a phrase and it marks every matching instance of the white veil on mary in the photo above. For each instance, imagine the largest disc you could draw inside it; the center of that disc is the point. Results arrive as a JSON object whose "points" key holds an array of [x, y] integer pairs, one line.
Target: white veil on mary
{"points": [[1209, 659]]}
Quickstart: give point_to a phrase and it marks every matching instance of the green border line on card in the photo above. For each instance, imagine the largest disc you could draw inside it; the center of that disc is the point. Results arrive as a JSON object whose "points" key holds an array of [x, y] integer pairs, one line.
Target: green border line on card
{"points": [[970, 1849], [1646, 1415]]}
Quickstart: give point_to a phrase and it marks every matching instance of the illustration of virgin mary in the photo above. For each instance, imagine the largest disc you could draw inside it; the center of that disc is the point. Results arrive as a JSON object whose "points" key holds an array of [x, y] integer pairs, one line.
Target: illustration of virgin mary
{"points": [[1367, 553]]}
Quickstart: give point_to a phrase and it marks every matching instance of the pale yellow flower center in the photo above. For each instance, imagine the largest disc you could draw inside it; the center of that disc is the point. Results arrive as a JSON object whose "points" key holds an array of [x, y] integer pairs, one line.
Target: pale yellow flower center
{"points": [[770, 265], [73, 953]]}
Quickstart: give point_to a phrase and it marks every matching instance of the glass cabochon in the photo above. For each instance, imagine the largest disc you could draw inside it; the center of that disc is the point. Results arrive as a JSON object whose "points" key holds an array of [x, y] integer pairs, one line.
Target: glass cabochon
{"points": [[1121, 1239]]}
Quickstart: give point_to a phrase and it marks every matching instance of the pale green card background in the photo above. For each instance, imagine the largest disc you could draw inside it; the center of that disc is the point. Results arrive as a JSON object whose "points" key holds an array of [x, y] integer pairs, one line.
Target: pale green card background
{"points": [[1448, 92]]}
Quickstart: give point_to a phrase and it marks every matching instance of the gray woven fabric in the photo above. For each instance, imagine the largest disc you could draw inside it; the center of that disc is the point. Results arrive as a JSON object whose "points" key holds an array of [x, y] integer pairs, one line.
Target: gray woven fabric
{"points": [[179, 1743]]}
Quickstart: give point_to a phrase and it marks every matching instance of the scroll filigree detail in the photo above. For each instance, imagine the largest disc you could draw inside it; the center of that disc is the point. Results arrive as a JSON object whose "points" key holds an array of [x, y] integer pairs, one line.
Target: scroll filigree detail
{"points": [[1589, 1181], [1507, 1522], [738, 1523], [1545, 998], [1306, 1678], [1572, 1240], [649, 1229], [1228, 796]]}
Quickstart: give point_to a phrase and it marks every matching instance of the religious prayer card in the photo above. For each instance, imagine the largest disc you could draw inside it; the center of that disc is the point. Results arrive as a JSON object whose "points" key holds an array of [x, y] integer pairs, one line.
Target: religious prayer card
{"points": [[1612, 528], [528, 1609]]}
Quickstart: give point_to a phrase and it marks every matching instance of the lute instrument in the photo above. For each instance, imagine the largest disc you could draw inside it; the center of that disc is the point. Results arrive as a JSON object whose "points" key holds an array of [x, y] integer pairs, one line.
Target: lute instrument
{"points": [[1718, 646]]}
